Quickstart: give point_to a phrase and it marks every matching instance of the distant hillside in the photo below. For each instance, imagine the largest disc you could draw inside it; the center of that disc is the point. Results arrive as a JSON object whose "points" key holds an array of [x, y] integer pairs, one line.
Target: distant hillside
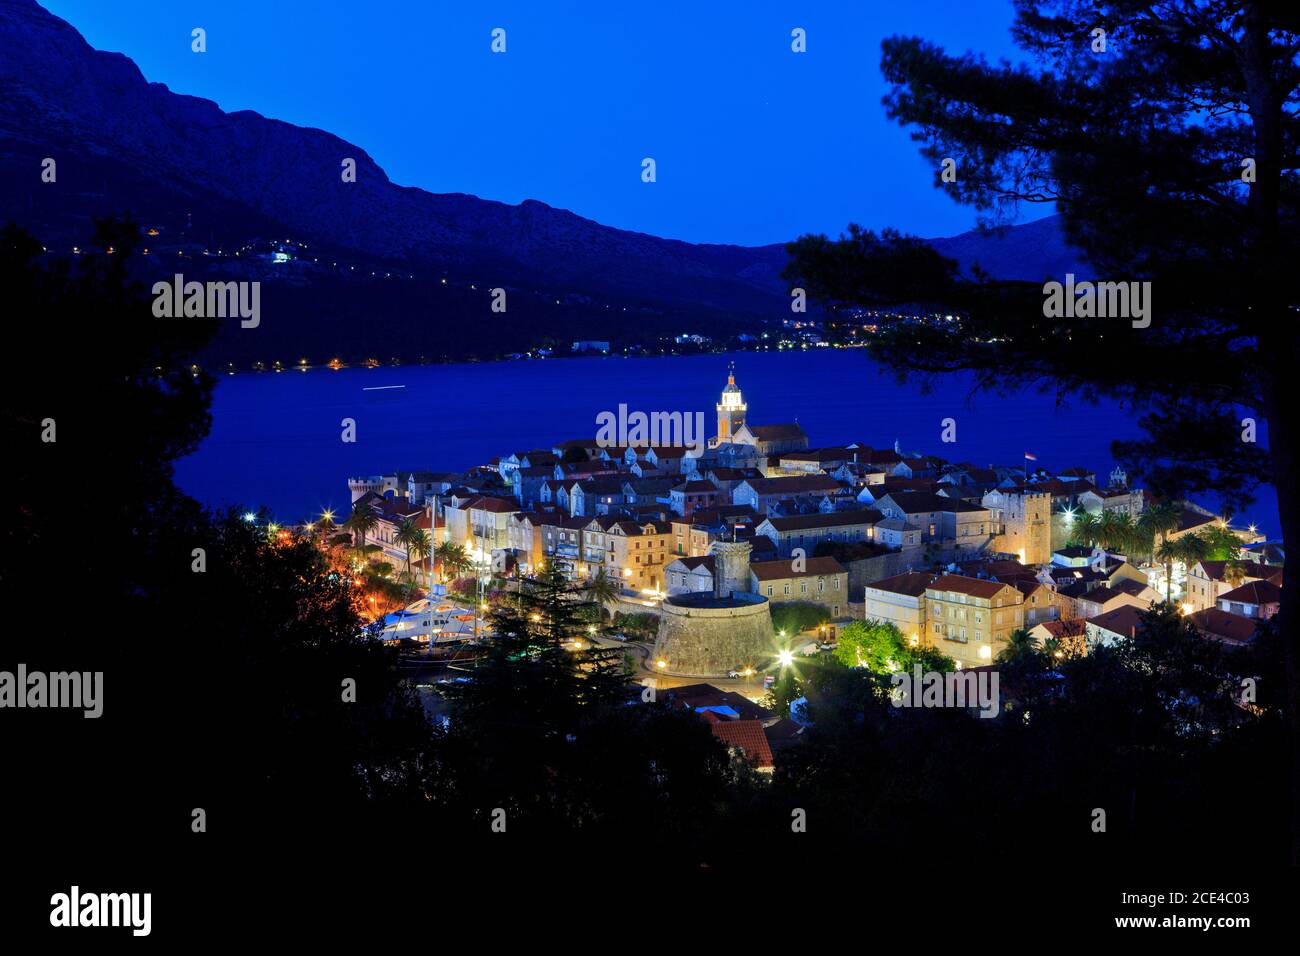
{"points": [[207, 179], [1034, 252]]}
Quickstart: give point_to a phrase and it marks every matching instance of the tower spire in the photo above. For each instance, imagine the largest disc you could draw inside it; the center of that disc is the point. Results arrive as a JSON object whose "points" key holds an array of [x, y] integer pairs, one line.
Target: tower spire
{"points": [[731, 407]]}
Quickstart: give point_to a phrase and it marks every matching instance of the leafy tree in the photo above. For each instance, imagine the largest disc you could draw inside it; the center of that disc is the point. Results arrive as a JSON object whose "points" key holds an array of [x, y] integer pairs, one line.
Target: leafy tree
{"points": [[881, 648], [1171, 158], [1220, 543], [784, 691], [260, 628], [533, 701], [795, 617], [324, 528]]}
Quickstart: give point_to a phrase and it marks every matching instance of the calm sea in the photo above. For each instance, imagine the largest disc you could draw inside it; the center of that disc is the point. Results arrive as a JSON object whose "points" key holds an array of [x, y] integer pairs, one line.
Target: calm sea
{"points": [[276, 437]]}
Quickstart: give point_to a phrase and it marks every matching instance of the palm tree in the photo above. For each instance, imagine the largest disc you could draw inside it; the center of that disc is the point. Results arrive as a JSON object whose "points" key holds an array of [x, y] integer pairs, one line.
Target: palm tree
{"points": [[1188, 549], [405, 534], [1085, 530], [1234, 572], [361, 522], [1156, 522], [602, 589], [1115, 531], [1168, 552], [421, 544], [452, 558], [1020, 645]]}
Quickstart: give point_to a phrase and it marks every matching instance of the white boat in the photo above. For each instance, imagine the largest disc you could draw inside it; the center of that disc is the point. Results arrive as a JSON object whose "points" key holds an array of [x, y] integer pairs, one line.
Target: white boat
{"points": [[440, 621]]}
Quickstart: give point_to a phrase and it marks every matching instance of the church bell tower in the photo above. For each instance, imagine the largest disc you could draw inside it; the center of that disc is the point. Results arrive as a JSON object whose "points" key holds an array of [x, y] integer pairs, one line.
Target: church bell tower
{"points": [[731, 409]]}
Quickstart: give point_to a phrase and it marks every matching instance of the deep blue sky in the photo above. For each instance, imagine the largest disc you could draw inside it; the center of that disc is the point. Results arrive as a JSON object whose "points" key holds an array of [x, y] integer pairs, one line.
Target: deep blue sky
{"points": [[754, 143]]}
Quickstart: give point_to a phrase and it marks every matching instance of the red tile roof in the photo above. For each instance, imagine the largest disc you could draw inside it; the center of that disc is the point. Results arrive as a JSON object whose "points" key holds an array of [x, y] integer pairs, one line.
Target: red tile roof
{"points": [[911, 583], [792, 484], [776, 432], [1233, 628], [833, 519], [1122, 620], [748, 736], [1254, 592], [975, 587], [777, 570], [1059, 629]]}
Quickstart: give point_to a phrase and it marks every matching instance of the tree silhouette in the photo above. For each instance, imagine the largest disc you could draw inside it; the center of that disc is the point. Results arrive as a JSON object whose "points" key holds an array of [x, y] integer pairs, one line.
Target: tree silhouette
{"points": [[1171, 154]]}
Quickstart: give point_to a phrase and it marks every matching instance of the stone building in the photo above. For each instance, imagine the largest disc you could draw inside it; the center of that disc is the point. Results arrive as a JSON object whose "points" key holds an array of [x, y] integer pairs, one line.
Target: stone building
{"points": [[1021, 523], [708, 634]]}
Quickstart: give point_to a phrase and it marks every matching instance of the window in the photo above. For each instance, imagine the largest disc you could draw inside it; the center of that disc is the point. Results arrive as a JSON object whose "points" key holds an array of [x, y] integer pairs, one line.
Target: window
{"points": [[787, 589], [769, 590]]}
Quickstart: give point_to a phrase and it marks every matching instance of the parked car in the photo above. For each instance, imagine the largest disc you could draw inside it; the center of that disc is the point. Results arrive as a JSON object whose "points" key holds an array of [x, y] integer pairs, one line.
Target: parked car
{"points": [[733, 674], [619, 637]]}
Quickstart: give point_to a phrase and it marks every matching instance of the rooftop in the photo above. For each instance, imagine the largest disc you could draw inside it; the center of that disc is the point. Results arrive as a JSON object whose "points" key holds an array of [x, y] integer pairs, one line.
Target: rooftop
{"points": [[778, 570]]}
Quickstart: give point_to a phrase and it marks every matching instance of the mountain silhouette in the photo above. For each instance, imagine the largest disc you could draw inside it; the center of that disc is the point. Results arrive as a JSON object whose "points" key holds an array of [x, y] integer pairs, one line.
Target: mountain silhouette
{"points": [[377, 268]]}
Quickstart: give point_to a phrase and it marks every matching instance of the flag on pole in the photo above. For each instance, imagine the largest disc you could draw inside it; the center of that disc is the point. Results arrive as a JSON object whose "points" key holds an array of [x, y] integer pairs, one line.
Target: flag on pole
{"points": [[1031, 457]]}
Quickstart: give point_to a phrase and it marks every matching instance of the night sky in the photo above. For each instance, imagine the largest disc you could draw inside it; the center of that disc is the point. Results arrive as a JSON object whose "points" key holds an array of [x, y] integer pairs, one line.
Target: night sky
{"points": [[754, 144]]}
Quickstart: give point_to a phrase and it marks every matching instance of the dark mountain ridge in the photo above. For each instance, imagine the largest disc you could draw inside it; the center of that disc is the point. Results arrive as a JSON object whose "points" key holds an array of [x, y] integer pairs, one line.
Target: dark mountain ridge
{"points": [[209, 179]]}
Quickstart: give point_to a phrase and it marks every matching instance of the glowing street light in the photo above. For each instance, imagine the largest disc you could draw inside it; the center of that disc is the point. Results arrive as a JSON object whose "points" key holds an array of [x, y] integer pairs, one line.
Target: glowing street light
{"points": [[785, 658]]}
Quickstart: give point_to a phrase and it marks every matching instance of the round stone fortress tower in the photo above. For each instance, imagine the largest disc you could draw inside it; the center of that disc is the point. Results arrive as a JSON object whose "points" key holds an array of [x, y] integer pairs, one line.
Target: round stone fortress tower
{"points": [[706, 635]]}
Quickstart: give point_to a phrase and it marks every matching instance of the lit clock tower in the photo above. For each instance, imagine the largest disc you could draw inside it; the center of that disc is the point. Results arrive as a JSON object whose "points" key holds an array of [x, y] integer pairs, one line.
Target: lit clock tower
{"points": [[731, 409]]}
